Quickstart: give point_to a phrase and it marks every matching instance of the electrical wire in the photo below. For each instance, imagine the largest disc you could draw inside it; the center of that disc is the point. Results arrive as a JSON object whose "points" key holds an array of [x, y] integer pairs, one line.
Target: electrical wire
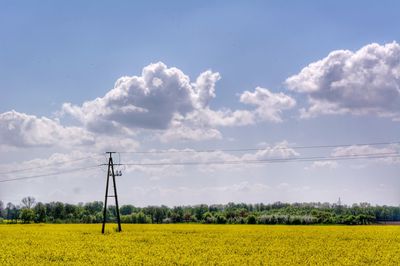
{"points": [[260, 149], [231, 162], [199, 151], [274, 160], [46, 166], [49, 174]]}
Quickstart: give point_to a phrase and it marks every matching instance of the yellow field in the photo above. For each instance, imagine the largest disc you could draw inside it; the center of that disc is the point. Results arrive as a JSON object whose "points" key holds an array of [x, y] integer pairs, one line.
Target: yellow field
{"points": [[199, 244]]}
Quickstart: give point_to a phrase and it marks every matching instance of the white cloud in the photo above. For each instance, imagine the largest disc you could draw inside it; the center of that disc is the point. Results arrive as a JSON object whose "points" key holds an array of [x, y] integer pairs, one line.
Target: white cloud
{"points": [[162, 101], [211, 161], [147, 101], [269, 105], [204, 88], [362, 150], [387, 153], [323, 164], [177, 157], [54, 163], [161, 98], [165, 99], [173, 161], [19, 130], [222, 117], [280, 150], [22, 130], [184, 133], [115, 143], [202, 124], [363, 82]]}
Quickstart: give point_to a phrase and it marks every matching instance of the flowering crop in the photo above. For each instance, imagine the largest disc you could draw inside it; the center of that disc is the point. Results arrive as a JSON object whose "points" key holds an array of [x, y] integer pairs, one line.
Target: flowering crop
{"points": [[185, 244]]}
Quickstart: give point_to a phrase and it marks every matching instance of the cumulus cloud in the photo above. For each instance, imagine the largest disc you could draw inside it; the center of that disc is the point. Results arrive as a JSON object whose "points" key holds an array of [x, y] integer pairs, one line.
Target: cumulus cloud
{"points": [[387, 154], [149, 101], [391, 151], [156, 162], [22, 130], [269, 106], [363, 150], [115, 143], [202, 124], [280, 150], [221, 118], [182, 132], [19, 130], [165, 99], [204, 88], [366, 81], [323, 164], [162, 101]]}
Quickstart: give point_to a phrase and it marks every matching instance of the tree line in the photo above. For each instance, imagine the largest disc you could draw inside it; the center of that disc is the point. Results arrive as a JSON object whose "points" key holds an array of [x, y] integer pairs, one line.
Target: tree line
{"points": [[30, 211]]}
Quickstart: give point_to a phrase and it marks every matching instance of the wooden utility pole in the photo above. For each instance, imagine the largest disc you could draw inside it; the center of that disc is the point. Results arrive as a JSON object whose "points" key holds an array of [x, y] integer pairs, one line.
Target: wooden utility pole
{"points": [[110, 172]]}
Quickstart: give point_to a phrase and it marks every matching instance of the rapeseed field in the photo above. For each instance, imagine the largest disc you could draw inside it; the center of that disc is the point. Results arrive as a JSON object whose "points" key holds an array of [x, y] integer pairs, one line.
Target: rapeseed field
{"points": [[187, 244]]}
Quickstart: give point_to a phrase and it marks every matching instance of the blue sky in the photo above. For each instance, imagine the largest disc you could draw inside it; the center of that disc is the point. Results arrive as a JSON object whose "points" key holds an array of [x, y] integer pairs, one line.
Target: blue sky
{"points": [[53, 53]]}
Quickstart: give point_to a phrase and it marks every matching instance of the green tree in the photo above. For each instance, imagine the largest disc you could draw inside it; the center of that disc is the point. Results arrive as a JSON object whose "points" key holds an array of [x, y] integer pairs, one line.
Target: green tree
{"points": [[200, 210], [27, 215], [159, 214], [251, 219], [93, 207], [2, 210], [177, 214], [71, 212], [12, 212], [142, 218], [221, 219], [28, 202], [126, 209], [56, 211], [40, 212]]}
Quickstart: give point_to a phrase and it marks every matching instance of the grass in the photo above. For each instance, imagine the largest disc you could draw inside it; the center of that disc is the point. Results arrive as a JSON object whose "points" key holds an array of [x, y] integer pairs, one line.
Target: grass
{"points": [[188, 244]]}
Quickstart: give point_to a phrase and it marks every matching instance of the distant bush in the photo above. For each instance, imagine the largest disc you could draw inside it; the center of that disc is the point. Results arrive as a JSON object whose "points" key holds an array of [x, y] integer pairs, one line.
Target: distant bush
{"points": [[208, 218], [27, 215], [251, 219], [287, 219], [139, 218], [231, 213], [221, 219]]}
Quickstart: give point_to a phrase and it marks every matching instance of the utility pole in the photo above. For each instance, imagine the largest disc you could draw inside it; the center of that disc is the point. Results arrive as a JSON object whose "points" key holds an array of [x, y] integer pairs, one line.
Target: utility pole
{"points": [[110, 172]]}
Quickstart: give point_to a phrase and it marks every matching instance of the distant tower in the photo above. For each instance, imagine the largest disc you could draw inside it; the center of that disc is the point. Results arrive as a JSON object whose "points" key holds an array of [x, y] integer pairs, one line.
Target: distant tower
{"points": [[110, 172], [339, 202]]}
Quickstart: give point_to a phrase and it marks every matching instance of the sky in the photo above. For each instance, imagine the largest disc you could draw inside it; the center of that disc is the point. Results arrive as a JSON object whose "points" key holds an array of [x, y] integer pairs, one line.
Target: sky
{"points": [[272, 79]]}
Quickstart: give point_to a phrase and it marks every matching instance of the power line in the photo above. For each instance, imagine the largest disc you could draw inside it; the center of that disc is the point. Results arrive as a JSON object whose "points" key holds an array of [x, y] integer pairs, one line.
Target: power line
{"points": [[49, 174], [260, 149], [46, 166], [232, 162], [202, 151], [273, 160], [258, 161]]}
